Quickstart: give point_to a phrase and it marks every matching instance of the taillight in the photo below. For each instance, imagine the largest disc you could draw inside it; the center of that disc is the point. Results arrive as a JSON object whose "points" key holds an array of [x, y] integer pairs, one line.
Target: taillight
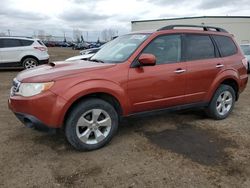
{"points": [[41, 48], [245, 62]]}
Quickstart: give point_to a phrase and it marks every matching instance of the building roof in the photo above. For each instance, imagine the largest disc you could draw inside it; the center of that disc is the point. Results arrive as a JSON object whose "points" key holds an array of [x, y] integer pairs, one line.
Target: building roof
{"points": [[195, 17]]}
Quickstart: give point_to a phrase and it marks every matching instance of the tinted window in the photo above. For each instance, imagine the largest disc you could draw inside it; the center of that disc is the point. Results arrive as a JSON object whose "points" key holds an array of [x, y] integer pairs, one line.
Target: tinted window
{"points": [[26, 42], [8, 43], [198, 47], [226, 45], [40, 42], [1, 43], [166, 49]]}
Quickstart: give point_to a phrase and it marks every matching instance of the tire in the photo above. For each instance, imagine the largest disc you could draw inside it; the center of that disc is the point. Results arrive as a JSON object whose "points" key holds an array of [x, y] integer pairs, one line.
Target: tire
{"points": [[29, 63], [86, 131], [222, 102]]}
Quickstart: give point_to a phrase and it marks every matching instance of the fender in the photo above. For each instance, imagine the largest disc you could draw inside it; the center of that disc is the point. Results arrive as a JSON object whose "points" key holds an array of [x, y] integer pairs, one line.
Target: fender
{"points": [[94, 86], [222, 76]]}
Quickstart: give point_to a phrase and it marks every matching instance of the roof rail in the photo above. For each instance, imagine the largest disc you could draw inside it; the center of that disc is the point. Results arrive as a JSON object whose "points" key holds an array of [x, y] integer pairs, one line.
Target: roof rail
{"points": [[205, 28]]}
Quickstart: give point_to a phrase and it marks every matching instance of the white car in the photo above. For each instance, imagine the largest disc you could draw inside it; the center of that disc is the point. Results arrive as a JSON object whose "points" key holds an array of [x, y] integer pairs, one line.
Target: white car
{"points": [[246, 50], [85, 54], [22, 52], [80, 57]]}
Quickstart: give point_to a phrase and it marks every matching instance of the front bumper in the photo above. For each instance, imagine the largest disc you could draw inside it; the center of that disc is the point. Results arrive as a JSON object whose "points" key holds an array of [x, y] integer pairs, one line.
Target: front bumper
{"points": [[32, 122], [42, 109]]}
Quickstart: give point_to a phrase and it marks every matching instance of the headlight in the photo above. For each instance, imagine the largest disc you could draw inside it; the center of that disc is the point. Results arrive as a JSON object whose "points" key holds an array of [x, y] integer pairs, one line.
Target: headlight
{"points": [[31, 89]]}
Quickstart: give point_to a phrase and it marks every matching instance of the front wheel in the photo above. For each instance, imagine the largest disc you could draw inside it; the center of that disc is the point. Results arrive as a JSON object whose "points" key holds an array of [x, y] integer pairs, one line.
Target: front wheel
{"points": [[91, 124], [222, 102]]}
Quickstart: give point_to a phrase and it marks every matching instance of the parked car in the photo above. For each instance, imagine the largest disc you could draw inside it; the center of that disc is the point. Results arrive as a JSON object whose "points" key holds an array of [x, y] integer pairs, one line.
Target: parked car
{"points": [[136, 73], [63, 44], [49, 43], [22, 52], [89, 51], [85, 54], [246, 50], [81, 46]]}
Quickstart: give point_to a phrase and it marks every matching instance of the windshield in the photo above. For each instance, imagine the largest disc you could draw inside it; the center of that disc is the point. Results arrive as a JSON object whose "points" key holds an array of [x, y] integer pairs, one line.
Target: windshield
{"points": [[246, 49], [119, 49]]}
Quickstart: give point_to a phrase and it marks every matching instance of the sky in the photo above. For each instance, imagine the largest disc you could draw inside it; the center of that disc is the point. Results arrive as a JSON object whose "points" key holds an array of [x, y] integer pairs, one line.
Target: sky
{"points": [[56, 17]]}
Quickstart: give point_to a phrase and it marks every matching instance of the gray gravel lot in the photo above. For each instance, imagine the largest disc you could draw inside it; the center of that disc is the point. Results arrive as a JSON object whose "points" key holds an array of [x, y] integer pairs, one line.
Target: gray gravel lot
{"points": [[181, 149]]}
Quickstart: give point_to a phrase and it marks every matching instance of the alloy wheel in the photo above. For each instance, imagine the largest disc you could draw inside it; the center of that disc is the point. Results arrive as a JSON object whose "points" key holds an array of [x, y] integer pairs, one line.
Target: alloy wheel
{"points": [[93, 126]]}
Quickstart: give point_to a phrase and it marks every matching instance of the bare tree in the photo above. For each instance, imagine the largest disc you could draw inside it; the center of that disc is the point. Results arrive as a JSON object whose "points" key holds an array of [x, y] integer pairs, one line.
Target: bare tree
{"points": [[2, 34], [41, 34], [77, 35], [108, 34]]}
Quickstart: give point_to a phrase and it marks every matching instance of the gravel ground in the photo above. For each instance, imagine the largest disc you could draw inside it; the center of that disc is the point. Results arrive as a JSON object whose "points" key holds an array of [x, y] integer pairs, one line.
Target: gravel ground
{"points": [[181, 149]]}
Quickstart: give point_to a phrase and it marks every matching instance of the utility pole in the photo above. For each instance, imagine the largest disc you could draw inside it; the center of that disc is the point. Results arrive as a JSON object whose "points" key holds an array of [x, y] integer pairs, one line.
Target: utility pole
{"points": [[9, 32]]}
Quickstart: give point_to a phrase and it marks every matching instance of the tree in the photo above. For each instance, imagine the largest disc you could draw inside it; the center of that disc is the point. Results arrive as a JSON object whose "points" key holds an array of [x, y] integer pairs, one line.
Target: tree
{"points": [[41, 34], [2, 34], [108, 34], [77, 35]]}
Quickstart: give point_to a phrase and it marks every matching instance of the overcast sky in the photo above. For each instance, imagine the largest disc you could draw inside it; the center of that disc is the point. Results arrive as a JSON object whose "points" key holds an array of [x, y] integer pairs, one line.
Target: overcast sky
{"points": [[25, 17]]}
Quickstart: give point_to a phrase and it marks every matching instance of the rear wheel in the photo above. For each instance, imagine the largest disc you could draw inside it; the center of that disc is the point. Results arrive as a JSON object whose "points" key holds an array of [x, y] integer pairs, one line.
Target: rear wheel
{"points": [[29, 63], [222, 102], [91, 124]]}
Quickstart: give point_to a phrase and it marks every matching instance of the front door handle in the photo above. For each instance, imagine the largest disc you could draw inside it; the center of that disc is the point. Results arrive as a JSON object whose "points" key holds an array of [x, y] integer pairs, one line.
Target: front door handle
{"points": [[219, 66], [178, 71]]}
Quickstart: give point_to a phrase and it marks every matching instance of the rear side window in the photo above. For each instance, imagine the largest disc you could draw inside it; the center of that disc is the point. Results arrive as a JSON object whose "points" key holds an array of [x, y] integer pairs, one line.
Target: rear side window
{"points": [[26, 42], [10, 43], [198, 47], [225, 45]]}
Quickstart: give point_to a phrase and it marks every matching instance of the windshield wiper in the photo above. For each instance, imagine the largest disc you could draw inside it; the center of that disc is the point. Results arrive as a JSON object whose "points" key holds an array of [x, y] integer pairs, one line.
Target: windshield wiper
{"points": [[96, 60]]}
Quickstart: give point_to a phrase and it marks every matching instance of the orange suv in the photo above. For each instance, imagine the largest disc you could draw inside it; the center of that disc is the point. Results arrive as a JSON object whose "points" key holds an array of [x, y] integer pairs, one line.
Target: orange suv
{"points": [[175, 67]]}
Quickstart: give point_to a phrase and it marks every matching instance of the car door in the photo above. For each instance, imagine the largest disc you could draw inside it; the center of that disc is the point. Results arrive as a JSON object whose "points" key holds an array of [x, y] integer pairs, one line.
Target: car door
{"points": [[11, 50], [162, 85], [203, 64]]}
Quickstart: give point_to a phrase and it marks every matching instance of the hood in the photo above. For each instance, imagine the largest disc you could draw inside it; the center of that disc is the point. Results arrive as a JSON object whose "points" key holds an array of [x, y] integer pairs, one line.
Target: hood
{"points": [[56, 70]]}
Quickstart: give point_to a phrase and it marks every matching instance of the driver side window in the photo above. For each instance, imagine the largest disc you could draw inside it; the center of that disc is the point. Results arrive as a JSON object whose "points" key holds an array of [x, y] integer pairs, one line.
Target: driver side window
{"points": [[166, 49]]}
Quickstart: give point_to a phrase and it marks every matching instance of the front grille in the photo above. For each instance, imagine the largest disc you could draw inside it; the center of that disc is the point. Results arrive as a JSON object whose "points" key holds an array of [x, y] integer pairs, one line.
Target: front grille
{"points": [[15, 86]]}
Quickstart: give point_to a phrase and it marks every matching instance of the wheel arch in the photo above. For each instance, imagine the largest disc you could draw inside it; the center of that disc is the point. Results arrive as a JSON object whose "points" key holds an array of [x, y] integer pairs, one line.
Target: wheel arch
{"points": [[99, 95], [233, 83], [227, 78], [29, 56]]}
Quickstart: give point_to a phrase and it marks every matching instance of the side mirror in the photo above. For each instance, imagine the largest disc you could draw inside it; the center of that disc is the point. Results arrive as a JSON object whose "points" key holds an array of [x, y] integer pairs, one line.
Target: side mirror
{"points": [[147, 59]]}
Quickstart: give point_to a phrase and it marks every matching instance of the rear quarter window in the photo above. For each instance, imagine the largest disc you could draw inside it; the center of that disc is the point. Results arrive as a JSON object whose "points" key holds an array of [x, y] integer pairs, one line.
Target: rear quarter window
{"points": [[41, 43], [27, 42], [226, 45]]}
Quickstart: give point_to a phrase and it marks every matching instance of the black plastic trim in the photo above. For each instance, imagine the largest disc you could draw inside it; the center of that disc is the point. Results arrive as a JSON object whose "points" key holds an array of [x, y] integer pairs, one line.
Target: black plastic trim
{"points": [[205, 28], [170, 109], [32, 122]]}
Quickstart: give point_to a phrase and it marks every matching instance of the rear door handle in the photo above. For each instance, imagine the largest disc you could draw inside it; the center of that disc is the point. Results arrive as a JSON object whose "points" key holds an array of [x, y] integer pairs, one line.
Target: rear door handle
{"points": [[219, 66], [178, 71]]}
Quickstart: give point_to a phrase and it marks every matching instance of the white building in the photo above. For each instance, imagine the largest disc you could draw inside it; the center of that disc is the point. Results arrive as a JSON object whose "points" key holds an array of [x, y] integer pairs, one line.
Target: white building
{"points": [[237, 25]]}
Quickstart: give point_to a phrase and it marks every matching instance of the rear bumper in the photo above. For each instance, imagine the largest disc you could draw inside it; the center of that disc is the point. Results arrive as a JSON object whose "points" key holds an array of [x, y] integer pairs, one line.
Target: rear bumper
{"points": [[45, 61]]}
